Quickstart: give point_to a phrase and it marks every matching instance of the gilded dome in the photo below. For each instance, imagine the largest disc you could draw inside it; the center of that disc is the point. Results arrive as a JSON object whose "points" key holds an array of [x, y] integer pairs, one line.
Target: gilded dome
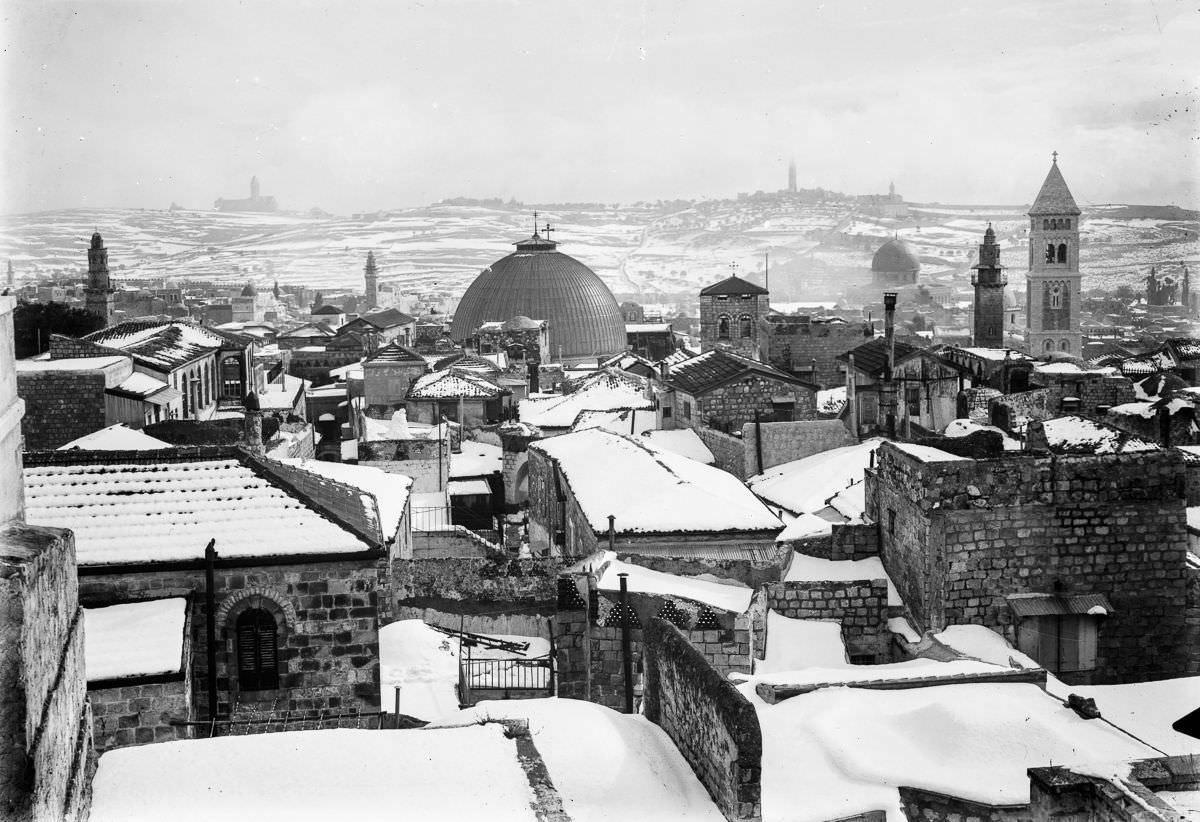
{"points": [[895, 256], [539, 282]]}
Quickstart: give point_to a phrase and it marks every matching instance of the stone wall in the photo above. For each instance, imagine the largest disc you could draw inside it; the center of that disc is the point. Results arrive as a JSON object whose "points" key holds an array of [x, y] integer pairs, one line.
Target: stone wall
{"points": [[61, 406], [752, 573], [710, 722], [958, 537], [729, 452], [140, 714], [473, 584], [860, 606], [328, 615], [731, 406], [787, 441], [45, 723], [1093, 390], [1191, 638], [12, 494], [426, 461], [927, 806], [795, 342]]}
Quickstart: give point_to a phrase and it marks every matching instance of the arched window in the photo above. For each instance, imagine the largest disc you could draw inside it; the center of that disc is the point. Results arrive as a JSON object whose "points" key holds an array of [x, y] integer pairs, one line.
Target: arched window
{"points": [[231, 377], [1049, 346], [1065, 345], [723, 328], [257, 654], [746, 326], [1049, 252], [1067, 224], [1062, 252], [1045, 225], [1056, 296]]}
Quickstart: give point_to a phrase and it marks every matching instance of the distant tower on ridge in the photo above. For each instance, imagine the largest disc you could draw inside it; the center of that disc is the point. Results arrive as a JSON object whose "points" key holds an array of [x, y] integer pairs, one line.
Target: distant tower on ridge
{"points": [[792, 176], [1054, 282], [989, 281], [98, 294], [254, 188], [372, 292], [12, 278]]}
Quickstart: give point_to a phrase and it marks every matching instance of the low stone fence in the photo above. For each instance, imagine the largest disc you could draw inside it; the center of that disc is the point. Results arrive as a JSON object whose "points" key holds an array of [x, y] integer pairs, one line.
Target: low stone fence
{"points": [[861, 606], [711, 723]]}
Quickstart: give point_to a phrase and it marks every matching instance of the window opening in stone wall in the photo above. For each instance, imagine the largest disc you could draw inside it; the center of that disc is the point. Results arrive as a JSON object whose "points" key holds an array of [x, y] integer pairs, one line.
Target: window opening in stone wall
{"points": [[723, 328], [257, 654], [1056, 297], [687, 410], [1049, 345], [891, 522], [1065, 345], [746, 326], [1049, 252], [1062, 252]]}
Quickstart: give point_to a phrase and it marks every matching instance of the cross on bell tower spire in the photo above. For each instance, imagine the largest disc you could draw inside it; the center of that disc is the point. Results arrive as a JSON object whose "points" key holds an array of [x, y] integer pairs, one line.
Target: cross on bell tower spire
{"points": [[1054, 157]]}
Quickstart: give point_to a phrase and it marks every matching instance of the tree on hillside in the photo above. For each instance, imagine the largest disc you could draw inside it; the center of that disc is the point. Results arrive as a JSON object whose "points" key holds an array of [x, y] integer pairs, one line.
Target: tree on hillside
{"points": [[33, 323]]}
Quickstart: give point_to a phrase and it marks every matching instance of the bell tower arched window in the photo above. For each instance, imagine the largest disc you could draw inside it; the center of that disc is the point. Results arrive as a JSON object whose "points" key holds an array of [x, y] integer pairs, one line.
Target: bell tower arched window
{"points": [[1062, 252], [1056, 296], [723, 328], [1049, 252], [746, 326], [1065, 345], [257, 651]]}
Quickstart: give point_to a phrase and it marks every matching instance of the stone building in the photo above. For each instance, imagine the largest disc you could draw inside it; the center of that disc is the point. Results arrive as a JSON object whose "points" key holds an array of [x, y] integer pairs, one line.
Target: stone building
{"points": [[301, 572], [651, 340], [457, 395], [808, 347], [537, 280], [524, 342], [989, 281], [732, 314], [659, 502], [387, 376], [1054, 283], [1058, 388], [895, 264], [723, 390], [1078, 561], [255, 202], [925, 387]]}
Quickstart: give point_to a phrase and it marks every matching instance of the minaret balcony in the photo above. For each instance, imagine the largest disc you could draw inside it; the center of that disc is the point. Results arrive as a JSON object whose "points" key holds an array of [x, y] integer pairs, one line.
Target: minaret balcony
{"points": [[999, 278]]}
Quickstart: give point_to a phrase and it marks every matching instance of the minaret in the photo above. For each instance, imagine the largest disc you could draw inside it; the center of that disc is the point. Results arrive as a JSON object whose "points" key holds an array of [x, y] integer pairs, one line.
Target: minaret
{"points": [[792, 176], [989, 281], [372, 293], [1054, 285], [98, 299], [1185, 293]]}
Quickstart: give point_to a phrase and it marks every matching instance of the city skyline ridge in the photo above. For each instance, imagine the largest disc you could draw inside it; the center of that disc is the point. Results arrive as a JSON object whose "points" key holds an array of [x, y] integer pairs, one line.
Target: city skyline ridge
{"points": [[403, 106]]}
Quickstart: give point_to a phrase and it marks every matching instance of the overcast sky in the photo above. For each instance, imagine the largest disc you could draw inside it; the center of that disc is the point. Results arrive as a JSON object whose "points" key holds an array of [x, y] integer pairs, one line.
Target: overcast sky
{"points": [[359, 106]]}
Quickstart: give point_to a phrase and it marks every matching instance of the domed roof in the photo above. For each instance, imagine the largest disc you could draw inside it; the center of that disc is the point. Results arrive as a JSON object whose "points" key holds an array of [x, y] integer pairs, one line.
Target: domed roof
{"points": [[895, 255], [539, 282]]}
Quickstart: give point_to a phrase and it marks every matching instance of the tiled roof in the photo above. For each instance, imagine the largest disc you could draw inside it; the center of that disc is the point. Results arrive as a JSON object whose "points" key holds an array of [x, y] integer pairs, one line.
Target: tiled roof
{"points": [[388, 317], [712, 369], [152, 507], [605, 390], [1054, 197], [732, 285], [452, 384], [162, 345], [394, 352], [1185, 348], [467, 362], [871, 356]]}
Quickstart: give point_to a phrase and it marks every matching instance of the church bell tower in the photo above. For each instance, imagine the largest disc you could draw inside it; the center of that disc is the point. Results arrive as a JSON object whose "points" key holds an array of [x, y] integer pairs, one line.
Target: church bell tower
{"points": [[989, 281], [98, 294], [1054, 286], [372, 277]]}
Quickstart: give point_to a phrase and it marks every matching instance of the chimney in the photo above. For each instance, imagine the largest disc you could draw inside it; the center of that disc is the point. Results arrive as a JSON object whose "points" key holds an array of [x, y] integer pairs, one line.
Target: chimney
{"points": [[252, 426]]}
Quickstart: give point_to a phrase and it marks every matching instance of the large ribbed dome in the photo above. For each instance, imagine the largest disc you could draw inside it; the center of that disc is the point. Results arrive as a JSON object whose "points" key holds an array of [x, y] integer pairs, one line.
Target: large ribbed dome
{"points": [[539, 282], [895, 256]]}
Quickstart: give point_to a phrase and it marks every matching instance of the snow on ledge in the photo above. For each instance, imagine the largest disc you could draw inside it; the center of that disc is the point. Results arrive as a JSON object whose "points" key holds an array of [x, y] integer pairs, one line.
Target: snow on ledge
{"points": [[134, 639]]}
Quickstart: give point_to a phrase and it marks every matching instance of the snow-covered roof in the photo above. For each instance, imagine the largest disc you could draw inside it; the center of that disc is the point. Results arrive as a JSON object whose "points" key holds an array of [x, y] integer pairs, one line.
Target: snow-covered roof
{"points": [[652, 491], [605, 390], [623, 421], [119, 437], [806, 485], [134, 639], [1070, 368], [682, 441], [927, 453], [839, 752], [1081, 435], [478, 459], [167, 509], [804, 568], [71, 364], [998, 354], [143, 385], [389, 490], [283, 396], [468, 488], [451, 385], [1149, 709], [647, 328], [160, 345], [727, 596]]}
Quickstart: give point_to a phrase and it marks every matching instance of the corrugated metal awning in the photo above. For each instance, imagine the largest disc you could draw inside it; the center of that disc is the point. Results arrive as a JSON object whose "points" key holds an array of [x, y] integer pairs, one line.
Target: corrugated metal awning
{"points": [[1032, 605]]}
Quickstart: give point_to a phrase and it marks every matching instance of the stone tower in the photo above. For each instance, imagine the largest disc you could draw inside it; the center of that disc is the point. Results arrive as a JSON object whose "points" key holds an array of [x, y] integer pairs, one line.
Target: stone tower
{"points": [[792, 176], [1054, 284], [989, 281], [731, 317], [254, 191], [98, 299], [12, 278], [372, 292]]}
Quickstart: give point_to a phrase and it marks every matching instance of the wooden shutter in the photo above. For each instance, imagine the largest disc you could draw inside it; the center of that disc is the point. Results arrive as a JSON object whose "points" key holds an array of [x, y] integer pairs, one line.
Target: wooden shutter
{"points": [[257, 653]]}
